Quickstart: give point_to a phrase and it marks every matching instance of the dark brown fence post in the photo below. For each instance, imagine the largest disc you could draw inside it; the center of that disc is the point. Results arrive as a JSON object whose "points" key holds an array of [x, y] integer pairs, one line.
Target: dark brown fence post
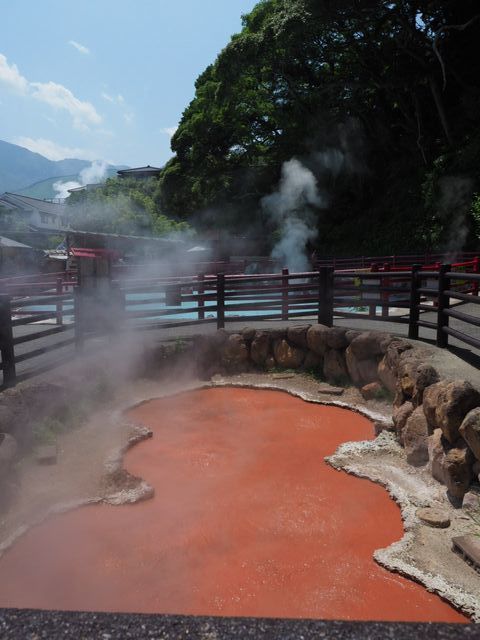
{"points": [[220, 300], [285, 283], [118, 308], [59, 303], [78, 317], [372, 309], [385, 295], [325, 296], [443, 304], [476, 269], [7, 348], [201, 299], [414, 302]]}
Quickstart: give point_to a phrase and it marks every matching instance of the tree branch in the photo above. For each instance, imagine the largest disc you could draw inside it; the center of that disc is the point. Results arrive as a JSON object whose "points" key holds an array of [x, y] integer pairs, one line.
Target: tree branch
{"points": [[449, 27]]}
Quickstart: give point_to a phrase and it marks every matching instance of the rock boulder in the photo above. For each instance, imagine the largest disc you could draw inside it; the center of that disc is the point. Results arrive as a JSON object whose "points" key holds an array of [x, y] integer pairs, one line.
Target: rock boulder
{"points": [[414, 376], [371, 390], [260, 348], [298, 336], [450, 465], [386, 375], [248, 334], [361, 372], [335, 366], [235, 353], [317, 339], [287, 356], [370, 344], [313, 361], [337, 338], [458, 471], [400, 416], [415, 438], [394, 351], [470, 431], [447, 403]]}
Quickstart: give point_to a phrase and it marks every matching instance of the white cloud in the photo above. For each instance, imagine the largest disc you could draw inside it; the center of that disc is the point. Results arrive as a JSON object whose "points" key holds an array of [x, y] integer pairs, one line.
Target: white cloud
{"points": [[79, 47], [52, 150], [106, 96], [52, 93], [10, 75], [127, 113], [59, 97], [118, 99], [105, 132], [169, 131]]}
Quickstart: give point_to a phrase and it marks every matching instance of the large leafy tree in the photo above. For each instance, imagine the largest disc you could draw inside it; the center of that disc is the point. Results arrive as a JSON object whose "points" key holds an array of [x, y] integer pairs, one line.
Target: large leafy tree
{"points": [[392, 85], [122, 205]]}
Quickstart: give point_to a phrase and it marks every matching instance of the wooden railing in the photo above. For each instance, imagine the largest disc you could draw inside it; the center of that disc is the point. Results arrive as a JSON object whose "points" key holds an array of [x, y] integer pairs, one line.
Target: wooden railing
{"points": [[37, 283], [395, 262], [142, 304], [10, 339]]}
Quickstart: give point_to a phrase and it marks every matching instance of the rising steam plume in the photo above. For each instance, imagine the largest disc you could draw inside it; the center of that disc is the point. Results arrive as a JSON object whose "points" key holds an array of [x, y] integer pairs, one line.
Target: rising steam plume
{"points": [[96, 172], [303, 192], [292, 209]]}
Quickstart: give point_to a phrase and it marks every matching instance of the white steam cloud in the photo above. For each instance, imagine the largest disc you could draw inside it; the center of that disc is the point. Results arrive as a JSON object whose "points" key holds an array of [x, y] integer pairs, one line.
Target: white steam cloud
{"points": [[93, 174], [291, 209], [455, 196]]}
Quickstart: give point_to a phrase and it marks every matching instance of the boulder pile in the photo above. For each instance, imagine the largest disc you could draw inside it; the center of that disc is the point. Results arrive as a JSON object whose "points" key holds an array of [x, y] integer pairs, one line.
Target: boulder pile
{"points": [[436, 420]]}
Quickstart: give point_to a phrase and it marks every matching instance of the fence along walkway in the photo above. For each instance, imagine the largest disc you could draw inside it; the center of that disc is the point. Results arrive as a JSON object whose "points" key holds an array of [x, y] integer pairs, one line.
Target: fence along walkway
{"points": [[400, 296], [32, 309]]}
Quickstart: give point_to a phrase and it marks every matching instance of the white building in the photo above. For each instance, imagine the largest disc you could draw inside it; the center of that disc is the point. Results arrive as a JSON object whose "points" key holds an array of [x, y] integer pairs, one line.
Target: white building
{"points": [[40, 214]]}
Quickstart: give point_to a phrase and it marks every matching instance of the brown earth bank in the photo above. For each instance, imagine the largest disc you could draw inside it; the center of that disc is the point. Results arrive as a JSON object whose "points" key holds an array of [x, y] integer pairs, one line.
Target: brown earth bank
{"points": [[247, 519]]}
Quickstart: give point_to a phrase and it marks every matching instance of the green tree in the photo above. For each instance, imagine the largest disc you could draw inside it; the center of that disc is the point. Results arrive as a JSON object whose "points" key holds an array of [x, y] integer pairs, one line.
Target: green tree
{"points": [[122, 205], [393, 85]]}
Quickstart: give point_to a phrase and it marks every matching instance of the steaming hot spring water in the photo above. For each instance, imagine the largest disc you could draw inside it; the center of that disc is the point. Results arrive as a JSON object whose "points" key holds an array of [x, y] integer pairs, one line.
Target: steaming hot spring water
{"points": [[247, 520]]}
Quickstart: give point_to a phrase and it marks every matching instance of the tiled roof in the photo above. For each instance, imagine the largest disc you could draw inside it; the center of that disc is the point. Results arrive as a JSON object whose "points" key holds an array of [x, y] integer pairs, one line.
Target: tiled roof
{"points": [[8, 242], [87, 187], [117, 236], [27, 203], [147, 169]]}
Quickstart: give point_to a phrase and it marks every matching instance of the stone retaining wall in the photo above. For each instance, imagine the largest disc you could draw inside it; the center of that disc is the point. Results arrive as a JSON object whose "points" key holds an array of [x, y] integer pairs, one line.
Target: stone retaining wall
{"points": [[436, 420]]}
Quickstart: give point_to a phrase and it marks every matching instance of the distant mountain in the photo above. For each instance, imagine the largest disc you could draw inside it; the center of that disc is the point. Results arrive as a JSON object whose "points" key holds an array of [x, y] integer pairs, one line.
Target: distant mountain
{"points": [[21, 170]]}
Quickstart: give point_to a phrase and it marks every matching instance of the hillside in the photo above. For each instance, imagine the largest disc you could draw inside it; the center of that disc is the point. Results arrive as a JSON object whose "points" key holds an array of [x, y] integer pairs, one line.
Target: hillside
{"points": [[44, 189], [20, 168]]}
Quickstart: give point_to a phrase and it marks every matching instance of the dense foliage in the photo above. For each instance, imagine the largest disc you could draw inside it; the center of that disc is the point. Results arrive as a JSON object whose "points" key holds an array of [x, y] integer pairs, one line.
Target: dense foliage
{"points": [[379, 99], [122, 205]]}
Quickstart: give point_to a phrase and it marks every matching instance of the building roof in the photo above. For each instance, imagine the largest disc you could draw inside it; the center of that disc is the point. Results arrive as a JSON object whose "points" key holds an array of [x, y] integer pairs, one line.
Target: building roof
{"points": [[87, 187], [26, 203], [56, 254], [117, 236], [8, 242], [136, 171], [83, 252]]}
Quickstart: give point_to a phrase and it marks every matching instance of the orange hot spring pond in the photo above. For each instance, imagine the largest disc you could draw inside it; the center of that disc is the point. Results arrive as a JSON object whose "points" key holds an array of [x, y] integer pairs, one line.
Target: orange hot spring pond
{"points": [[247, 520]]}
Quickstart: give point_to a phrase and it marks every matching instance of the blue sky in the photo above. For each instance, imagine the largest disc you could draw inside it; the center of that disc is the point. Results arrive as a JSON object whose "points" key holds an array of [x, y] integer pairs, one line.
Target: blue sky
{"points": [[106, 79]]}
